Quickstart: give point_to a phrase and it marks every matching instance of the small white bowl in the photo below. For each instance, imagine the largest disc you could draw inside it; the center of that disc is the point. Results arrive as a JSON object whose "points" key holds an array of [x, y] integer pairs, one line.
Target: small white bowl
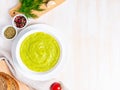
{"points": [[3, 30], [14, 25]]}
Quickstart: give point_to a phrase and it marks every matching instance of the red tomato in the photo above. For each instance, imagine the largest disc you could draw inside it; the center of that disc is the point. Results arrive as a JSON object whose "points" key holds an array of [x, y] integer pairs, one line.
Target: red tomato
{"points": [[56, 86]]}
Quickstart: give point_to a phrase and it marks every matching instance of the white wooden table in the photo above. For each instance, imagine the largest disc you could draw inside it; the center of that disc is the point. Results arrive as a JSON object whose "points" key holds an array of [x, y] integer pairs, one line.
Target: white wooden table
{"points": [[92, 30]]}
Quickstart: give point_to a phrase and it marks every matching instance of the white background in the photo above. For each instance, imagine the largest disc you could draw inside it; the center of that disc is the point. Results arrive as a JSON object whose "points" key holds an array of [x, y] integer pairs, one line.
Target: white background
{"points": [[92, 30]]}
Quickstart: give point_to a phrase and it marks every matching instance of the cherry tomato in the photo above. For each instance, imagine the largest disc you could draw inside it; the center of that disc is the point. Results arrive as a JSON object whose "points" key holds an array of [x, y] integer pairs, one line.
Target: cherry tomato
{"points": [[56, 86]]}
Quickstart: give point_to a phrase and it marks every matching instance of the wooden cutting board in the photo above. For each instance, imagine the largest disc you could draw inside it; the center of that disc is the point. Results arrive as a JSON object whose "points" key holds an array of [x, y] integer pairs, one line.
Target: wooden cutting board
{"points": [[4, 68], [14, 12]]}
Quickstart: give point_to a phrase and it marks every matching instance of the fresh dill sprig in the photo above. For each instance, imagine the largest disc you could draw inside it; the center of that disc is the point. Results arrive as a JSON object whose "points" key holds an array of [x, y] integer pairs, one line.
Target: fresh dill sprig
{"points": [[28, 5]]}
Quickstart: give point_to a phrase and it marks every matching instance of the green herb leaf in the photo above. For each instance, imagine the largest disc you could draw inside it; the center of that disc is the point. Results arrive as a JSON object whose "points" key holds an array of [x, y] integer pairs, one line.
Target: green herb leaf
{"points": [[29, 5]]}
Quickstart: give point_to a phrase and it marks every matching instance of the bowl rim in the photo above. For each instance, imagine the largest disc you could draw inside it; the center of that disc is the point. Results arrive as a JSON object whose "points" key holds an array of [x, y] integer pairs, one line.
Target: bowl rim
{"points": [[13, 23], [40, 76]]}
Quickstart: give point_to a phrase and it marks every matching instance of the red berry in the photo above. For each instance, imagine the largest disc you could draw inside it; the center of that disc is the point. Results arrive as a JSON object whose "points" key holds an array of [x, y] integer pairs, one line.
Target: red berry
{"points": [[56, 86], [20, 21]]}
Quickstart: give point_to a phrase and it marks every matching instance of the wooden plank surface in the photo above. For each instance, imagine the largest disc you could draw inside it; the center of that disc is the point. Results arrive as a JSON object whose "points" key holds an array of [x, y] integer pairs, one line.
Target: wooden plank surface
{"points": [[14, 12], [92, 33], [4, 68]]}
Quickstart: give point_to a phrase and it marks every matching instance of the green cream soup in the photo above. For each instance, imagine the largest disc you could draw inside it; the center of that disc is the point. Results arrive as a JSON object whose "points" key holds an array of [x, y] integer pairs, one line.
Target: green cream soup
{"points": [[40, 52]]}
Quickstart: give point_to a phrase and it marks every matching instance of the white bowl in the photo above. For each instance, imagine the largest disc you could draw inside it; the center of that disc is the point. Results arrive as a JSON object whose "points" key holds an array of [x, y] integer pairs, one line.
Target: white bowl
{"points": [[3, 30], [13, 23], [18, 62]]}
